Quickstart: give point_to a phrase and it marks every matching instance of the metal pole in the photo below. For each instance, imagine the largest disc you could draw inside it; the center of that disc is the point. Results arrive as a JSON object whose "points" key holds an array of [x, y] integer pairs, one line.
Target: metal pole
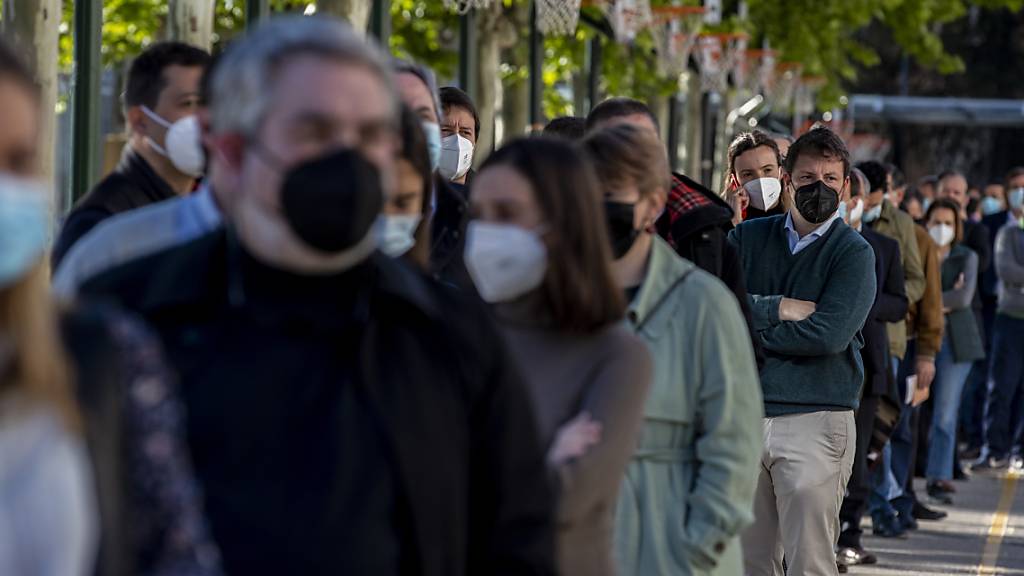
{"points": [[673, 133], [88, 20], [468, 53], [709, 133], [594, 76], [536, 71], [380, 22], [256, 11]]}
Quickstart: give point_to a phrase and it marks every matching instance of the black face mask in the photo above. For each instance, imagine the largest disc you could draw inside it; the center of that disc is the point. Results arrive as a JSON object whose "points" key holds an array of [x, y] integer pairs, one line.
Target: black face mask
{"points": [[331, 202], [816, 202], [620, 227]]}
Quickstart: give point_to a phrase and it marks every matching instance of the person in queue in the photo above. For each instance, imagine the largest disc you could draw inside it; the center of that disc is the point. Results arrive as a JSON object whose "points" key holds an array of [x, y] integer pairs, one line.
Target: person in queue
{"points": [[49, 524], [537, 249], [571, 128], [755, 166], [405, 224], [961, 346], [694, 221], [1000, 434], [927, 189], [811, 280], [407, 406], [460, 130], [952, 185], [163, 158], [688, 488], [879, 381], [897, 184], [131, 235]]}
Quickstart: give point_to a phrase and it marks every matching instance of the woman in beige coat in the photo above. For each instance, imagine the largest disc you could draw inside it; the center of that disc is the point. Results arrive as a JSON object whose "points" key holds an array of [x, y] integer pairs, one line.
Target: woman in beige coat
{"points": [[538, 250]]}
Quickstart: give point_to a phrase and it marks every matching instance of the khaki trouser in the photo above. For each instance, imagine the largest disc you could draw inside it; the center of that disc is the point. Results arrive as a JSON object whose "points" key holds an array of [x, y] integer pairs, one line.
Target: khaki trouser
{"points": [[806, 464]]}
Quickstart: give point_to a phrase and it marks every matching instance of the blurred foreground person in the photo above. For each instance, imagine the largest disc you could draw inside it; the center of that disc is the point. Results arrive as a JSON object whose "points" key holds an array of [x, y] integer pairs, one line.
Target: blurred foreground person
{"points": [[346, 415], [48, 526], [405, 223], [538, 250], [688, 489], [568, 127], [812, 285], [694, 220]]}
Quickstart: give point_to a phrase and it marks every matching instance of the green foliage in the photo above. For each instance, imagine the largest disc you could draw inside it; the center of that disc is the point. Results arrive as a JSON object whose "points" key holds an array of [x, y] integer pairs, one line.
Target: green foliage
{"points": [[427, 32]]}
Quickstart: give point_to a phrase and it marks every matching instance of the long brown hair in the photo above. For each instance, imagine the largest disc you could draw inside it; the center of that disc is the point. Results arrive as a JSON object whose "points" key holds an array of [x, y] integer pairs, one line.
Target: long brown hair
{"points": [[37, 369], [579, 290], [415, 152]]}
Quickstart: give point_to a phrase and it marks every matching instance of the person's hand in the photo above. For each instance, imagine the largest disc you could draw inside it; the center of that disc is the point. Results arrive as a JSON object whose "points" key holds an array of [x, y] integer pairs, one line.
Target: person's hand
{"points": [[738, 200], [574, 439], [925, 373], [792, 310]]}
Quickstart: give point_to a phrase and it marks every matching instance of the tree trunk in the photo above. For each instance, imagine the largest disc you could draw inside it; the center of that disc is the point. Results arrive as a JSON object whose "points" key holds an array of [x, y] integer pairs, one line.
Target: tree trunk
{"points": [[488, 86], [356, 12], [34, 25], [517, 91], [191, 21]]}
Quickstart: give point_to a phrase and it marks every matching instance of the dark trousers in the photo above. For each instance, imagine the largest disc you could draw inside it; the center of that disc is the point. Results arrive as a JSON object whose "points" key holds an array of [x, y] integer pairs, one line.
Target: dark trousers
{"points": [[905, 438], [972, 409], [858, 489], [1002, 434]]}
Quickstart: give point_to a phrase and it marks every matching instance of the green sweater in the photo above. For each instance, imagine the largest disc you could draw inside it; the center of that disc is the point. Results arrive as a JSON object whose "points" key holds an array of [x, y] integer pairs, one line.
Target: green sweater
{"points": [[815, 364]]}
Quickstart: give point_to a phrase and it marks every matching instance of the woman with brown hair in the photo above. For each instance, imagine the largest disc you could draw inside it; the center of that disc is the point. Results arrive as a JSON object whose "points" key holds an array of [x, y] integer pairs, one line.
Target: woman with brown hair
{"points": [[49, 522], [689, 489], [537, 249], [405, 222]]}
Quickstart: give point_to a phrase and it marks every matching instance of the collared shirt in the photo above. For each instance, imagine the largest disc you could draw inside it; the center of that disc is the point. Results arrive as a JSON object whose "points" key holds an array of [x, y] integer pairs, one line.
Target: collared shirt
{"points": [[134, 234], [796, 243]]}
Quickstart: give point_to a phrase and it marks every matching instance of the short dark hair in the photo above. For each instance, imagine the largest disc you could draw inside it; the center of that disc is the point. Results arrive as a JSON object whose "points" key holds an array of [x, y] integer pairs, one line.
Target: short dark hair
{"points": [[415, 151], [947, 204], [1014, 173], [823, 141], [146, 76], [748, 141], [13, 67], [949, 174], [875, 173], [617, 108], [568, 127], [452, 97], [898, 179], [579, 292], [856, 188]]}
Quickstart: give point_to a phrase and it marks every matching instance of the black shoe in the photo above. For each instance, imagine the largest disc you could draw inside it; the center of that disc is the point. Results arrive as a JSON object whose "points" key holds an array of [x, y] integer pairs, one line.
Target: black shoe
{"points": [[922, 512], [842, 569], [939, 494], [887, 527], [960, 474], [990, 465], [855, 557], [971, 453], [908, 522]]}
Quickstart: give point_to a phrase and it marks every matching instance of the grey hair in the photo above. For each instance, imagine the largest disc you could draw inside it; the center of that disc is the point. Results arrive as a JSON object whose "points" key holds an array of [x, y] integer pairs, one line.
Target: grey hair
{"points": [[242, 85], [424, 73]]}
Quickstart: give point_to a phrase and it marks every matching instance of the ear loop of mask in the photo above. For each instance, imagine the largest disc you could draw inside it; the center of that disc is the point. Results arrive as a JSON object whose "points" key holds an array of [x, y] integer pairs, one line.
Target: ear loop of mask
{"points": [[166, 126]]}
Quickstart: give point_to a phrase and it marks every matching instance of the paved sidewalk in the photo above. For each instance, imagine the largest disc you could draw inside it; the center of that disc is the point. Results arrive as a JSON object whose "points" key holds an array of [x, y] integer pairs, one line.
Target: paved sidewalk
{"points": [[957, 544]]}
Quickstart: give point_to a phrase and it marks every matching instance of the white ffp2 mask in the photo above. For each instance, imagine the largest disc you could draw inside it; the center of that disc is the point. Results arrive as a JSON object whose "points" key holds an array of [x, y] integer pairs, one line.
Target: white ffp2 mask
{"points": [[505, 261], [182, 144], [764, 193], [943, 234], [456, 157]]}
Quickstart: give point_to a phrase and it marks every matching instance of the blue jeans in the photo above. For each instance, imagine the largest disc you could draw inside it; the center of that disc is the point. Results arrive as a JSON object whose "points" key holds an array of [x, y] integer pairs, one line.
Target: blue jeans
{"points": [[947, 391], [902, 441], [1006, 379]]}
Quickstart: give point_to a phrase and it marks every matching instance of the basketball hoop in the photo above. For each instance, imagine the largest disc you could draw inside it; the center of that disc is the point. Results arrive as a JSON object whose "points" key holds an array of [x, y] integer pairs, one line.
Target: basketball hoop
{"points": [[807, 93], [785, 85], [558, 17], [756, 70], [718, 54], [464, 6], [680, 30], [628, 18]]}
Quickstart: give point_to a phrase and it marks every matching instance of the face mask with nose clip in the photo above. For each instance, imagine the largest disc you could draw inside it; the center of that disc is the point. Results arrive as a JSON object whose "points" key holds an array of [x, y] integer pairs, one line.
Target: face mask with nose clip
{"points": [[182, 143]]}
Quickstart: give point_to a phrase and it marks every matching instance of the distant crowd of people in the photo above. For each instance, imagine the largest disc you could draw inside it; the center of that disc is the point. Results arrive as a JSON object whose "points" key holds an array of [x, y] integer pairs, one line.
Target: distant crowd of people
{"points": [[305, 327]]}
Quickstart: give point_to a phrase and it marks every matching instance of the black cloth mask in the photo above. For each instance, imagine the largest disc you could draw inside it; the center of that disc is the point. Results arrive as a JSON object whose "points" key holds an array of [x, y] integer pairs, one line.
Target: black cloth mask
{"points": [[621, 230], [332, 202], [816, 202]]}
